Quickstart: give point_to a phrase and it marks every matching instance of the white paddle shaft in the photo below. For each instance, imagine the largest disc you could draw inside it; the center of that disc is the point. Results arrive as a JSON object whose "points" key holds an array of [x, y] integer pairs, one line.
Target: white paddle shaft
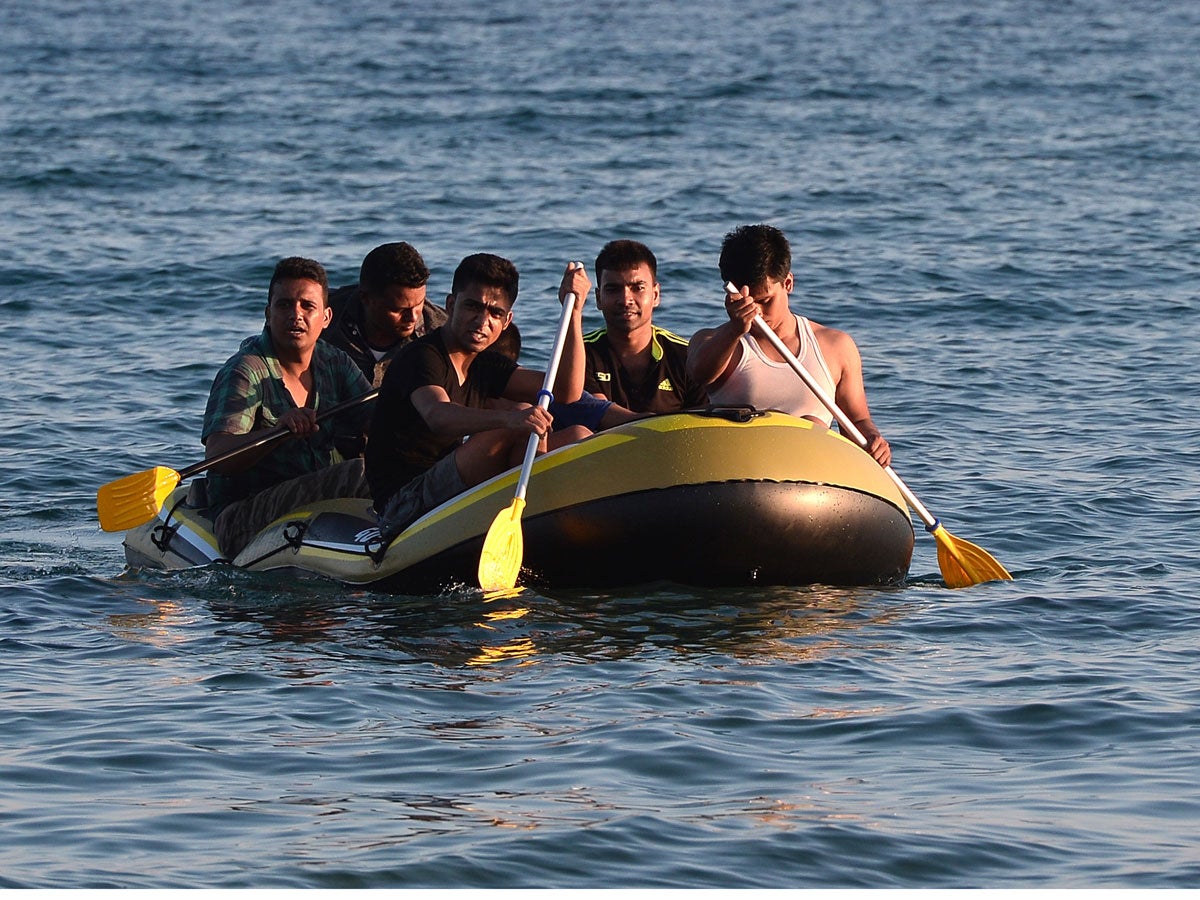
{"points": [[543, 400]]}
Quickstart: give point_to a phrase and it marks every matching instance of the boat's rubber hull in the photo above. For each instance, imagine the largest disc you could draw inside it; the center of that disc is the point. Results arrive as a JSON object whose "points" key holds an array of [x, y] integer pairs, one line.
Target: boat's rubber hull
{"points": [[711, 534], [687, 498]]}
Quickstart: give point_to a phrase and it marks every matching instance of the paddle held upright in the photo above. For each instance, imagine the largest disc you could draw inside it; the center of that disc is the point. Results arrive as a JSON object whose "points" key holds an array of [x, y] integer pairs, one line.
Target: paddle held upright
{"points": [[504, 544]]}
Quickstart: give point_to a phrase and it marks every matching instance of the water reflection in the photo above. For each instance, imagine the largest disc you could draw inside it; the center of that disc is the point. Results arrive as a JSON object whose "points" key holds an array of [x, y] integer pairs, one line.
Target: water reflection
{"points": [[161, 623], [519, 649], [462, 628], [764, 623]]}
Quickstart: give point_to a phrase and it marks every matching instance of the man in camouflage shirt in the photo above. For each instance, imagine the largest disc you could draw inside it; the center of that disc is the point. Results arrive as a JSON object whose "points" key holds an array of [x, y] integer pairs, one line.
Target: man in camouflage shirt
{"points": [[284, 376]]}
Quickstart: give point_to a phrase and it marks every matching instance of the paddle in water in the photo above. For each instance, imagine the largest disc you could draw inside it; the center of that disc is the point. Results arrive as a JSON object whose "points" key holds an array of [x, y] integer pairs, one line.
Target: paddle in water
{"points": [[962, 563], [504, 544], [136, 499]]}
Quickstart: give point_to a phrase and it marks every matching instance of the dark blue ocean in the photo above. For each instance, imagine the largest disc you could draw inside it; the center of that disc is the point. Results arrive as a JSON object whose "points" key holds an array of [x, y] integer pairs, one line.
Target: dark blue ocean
{"points": [[998, 200]]}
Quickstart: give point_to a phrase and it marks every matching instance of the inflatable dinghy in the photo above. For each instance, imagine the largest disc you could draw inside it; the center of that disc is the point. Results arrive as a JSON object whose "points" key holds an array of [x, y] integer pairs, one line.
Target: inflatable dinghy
{"points": [[722, 497]]}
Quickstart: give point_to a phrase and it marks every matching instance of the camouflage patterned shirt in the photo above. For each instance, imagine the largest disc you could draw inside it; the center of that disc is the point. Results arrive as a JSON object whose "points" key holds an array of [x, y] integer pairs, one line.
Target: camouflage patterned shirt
{"points": [[248, 394]]}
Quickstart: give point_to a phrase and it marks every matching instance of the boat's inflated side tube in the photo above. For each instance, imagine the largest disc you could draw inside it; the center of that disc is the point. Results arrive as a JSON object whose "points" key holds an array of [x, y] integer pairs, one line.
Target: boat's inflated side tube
{"points": [[696, 499]]}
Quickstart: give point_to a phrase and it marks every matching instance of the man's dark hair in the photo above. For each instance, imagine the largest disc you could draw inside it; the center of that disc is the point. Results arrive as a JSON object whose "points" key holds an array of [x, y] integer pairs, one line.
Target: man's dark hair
{"points": [[622, 255], [299, 267], [487, 270], [396, 264], [750, 254]]}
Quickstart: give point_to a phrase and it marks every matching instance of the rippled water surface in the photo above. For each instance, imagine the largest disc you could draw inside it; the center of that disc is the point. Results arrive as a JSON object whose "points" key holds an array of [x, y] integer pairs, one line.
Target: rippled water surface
{"points": [[997, 200]]}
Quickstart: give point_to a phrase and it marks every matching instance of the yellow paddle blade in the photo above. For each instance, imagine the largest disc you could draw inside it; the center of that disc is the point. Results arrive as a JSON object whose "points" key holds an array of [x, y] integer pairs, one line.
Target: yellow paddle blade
{"points": [[503, 548], [135, 499], [964, 564]]}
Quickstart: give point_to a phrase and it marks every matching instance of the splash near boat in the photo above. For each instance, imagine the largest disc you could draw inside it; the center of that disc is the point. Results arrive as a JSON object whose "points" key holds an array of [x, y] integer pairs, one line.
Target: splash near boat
{"points": [[719, 497]]}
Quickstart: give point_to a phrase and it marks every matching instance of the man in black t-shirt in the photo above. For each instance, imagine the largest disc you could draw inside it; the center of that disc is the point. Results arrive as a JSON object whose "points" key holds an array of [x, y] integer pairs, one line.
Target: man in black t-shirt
{"points": [[435, 394]]}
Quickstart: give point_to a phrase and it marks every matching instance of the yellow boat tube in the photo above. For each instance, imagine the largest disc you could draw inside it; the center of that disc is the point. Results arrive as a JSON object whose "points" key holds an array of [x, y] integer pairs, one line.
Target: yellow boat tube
{"points": [[719, 497]]}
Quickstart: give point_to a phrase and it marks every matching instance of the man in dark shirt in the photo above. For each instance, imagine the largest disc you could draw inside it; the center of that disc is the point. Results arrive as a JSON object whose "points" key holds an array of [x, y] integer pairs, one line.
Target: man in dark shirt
{"points": [[374, 319], [633, 362], [436, 394]]}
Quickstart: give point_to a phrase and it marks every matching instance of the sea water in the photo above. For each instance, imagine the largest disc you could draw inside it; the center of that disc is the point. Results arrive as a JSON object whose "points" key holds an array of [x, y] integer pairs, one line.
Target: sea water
{"points": [[998, 200]]}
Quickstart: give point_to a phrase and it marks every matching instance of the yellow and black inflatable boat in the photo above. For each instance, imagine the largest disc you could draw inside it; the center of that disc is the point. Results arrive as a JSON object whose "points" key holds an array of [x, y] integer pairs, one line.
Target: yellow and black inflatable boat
{"points": [[718, 497]]}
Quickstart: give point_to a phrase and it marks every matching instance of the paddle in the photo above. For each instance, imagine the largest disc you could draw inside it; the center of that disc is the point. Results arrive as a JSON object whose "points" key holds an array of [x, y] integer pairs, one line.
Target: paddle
{"points": [[135, 499], [504, 545], [962, 563]]}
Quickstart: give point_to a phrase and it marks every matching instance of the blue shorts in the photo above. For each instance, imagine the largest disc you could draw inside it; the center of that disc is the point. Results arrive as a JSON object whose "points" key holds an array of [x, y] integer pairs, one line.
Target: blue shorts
{"points": [[587, 411]]}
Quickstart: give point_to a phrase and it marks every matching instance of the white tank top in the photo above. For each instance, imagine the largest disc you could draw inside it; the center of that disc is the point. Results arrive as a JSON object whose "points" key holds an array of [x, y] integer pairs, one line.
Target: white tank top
{"points": [[766, 384]]}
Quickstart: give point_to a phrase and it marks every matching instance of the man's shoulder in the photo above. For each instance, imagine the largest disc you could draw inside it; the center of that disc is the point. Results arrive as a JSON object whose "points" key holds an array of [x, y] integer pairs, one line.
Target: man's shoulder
{"points": [[702, 334], [342, 297], [251, 356], [833, 334], [669, 339], [417, 354], [344, 330], [434, 315], [673, 346], [490, 363], [667, 336], [241, 383], [330, 356], [430, 339], [597, 337], [834, 343]]}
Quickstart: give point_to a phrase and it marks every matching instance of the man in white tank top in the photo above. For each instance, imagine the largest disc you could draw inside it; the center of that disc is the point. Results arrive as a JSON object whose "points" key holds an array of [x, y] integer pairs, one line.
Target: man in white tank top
{"points": [[740, 368]]}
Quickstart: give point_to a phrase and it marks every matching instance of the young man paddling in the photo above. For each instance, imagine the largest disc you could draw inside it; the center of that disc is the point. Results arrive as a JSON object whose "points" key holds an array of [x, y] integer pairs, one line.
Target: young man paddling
{"points": [[739, 368], [374, 319], [434, 434], [283, 376]]}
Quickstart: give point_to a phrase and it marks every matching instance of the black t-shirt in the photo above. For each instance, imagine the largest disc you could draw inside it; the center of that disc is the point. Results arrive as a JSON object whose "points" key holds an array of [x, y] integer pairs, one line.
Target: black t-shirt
{"points": [[665, 388], [400, 445]]}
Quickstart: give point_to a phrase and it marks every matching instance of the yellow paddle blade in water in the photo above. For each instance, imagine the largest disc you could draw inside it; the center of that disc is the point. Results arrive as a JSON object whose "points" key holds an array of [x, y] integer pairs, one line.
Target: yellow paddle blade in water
{"points": [[503, 548], [964, 564], [135, 499]]}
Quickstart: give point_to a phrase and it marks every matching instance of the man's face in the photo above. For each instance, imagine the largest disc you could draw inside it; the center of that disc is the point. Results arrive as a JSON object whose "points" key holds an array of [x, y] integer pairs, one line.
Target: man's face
{"points": [[477, 316], [772, 296], [627, 298], [297, 314], [394, 313]]}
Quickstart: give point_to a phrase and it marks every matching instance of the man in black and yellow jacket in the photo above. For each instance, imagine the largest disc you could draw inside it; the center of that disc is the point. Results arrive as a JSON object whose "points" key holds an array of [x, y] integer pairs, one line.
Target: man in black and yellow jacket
{"points": [[633, 362]]}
